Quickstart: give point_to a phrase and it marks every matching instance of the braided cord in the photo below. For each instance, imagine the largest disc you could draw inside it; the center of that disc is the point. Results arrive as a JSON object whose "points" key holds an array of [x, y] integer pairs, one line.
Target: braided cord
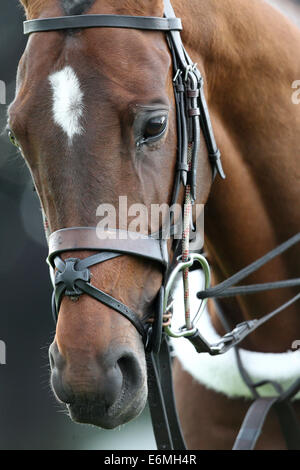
{"points": [[186, 244]]}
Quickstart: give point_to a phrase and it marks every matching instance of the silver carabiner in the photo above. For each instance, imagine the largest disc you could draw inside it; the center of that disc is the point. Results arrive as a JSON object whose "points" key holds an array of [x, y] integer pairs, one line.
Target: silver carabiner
{"points": [[181, 265]]}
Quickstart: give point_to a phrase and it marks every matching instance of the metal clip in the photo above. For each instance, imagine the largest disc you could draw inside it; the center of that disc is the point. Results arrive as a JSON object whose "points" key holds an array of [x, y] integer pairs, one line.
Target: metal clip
{"points": [[234, 337]]}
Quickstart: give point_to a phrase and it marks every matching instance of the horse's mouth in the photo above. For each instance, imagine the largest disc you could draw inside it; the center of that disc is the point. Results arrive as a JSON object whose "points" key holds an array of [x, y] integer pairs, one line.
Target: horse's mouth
{"points": [[96, 413]]}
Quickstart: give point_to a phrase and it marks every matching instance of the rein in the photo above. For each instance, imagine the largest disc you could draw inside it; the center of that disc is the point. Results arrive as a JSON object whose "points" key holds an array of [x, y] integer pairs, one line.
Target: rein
{"points": [[72, 276]]}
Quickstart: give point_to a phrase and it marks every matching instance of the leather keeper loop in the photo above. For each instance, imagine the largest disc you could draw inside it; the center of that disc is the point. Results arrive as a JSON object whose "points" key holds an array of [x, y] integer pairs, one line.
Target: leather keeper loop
{"points": [[194, 112], [193, 93]]}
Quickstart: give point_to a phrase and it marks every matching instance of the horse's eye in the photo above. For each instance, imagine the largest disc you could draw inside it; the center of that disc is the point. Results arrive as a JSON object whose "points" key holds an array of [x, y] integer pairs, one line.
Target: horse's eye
{"points": [[155, 127], [12, 138]]}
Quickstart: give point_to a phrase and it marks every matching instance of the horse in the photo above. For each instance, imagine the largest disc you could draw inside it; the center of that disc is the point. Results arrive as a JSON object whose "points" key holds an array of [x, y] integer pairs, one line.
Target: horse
{"points": [[107, 97]]}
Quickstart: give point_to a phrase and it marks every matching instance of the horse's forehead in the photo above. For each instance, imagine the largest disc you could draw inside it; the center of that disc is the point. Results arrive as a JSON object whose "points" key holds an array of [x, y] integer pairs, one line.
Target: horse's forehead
{"points": [[116, 61], [70, 7], [78, 7], [131, 54], [77, 83]]}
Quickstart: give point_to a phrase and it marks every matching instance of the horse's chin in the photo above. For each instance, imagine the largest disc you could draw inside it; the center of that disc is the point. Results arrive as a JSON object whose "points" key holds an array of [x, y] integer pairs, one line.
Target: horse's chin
{"points": [[125, 409]]}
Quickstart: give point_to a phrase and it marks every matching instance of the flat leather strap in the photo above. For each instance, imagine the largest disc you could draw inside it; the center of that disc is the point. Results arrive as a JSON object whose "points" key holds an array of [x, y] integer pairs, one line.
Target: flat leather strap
{"points": [[157, 406], [102, 21], [253, 423], [166, 379], [162, 405], [115, 304], [121, 241]]}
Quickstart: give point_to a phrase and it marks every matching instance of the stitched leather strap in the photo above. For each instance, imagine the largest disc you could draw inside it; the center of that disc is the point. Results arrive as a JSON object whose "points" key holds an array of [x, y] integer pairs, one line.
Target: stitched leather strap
{"points": [[102, 21]]}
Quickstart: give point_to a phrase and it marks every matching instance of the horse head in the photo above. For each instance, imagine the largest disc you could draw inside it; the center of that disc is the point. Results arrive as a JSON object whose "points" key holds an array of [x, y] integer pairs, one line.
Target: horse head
{"points": [[95, 119]]}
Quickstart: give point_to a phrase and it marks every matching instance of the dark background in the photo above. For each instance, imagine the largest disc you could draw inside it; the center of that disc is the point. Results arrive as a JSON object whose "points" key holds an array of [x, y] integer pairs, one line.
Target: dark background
{"points": [[30, 418]]}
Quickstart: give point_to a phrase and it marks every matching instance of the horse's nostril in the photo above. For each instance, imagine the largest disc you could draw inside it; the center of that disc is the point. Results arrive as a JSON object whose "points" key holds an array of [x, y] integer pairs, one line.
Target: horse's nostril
{"points": [[101, 386], [131, 372], [105, 390], [61, 390]]}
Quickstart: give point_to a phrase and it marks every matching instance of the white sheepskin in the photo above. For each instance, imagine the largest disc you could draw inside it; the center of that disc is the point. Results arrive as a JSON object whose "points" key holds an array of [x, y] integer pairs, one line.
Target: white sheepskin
{"points": [[220, 373]]}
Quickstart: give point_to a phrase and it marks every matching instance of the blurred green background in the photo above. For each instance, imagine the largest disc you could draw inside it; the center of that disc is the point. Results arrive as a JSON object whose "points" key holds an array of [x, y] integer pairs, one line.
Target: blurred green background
{"points": [[30, 417]]}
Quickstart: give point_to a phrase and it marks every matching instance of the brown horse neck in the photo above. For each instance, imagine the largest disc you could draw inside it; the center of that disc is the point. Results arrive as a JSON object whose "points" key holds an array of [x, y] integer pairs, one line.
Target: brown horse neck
{"points": [[249, 64]]}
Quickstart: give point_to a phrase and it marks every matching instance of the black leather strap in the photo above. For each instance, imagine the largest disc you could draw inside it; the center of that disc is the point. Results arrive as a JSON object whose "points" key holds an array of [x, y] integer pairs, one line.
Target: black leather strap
{"points": [[157, 405], [221, 289], [96, 259], [155, 330], [115, 304], [102, 21], [166, 379], [196, 108], [175, 35], [255, 418], [162, 406], [253, 423]]}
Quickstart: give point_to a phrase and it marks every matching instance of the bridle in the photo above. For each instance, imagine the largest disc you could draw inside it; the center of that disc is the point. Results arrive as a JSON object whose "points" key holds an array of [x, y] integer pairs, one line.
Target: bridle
{"points": [[71, 277]]}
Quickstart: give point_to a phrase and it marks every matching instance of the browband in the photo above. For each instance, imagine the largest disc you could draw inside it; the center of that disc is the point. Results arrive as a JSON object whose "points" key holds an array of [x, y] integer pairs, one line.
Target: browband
{"points": [[102, 21]]}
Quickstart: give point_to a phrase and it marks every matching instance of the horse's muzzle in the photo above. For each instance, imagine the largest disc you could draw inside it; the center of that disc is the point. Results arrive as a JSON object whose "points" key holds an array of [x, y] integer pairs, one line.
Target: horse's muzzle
{"points": [[106, 392]]}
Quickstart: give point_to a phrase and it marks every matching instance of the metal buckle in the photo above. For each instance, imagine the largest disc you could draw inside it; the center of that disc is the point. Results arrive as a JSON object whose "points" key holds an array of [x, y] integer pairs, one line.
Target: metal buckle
{"points": [[189, 69], [181, 265], [234, 337]]}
